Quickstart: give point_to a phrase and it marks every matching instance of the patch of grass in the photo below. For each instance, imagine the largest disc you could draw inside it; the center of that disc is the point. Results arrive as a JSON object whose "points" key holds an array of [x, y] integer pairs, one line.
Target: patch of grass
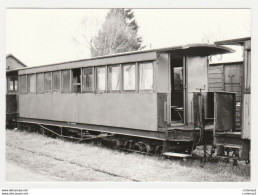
{"points": [[77, 162]]}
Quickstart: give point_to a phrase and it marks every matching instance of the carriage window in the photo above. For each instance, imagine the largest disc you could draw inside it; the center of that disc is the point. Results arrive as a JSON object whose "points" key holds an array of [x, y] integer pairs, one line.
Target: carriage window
{"points": [[76, 80], [12, 83], [87, 79], [113, 78], [48, 82], [32, 83], [178, 78], [56, 81], [129, 77], [146, 76], [40, 83], [65, 81], [23, 84], [101, 78]]}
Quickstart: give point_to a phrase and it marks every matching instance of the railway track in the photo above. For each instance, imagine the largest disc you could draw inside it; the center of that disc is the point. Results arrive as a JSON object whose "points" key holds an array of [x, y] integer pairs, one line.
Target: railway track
{"points": [[71, 162]]}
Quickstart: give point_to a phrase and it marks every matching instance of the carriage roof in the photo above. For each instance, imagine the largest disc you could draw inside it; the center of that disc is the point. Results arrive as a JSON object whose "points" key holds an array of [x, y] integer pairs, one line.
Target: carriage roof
{"points": [[133, 56]]}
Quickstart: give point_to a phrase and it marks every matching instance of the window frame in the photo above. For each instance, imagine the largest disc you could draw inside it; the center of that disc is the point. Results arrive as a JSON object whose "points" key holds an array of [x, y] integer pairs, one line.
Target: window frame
{"points": [[52, 83], [76, 84], [135, 77], [96, 79], [173, 84], [70, 81], [37, 82], [119, 79], [51, 90], [93, 79], [10, 81], [28, 83], [145, 90]]}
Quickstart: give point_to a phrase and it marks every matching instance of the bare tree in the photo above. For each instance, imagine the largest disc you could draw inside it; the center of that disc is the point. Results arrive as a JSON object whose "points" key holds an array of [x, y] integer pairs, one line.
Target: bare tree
{"points": [[89, 29]]}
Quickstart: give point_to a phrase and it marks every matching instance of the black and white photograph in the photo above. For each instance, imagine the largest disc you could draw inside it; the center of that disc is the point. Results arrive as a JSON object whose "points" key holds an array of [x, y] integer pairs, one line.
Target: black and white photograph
{"points": [[128, 95]]}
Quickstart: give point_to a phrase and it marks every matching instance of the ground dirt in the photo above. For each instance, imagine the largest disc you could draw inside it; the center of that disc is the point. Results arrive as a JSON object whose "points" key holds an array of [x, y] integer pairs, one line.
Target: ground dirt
{"points": [[34, 157], [19, 173]]}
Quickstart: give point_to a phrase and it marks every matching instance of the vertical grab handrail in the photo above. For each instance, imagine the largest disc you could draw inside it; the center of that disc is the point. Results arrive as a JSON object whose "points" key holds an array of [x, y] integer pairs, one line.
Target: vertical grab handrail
{"points": [[165, 111], [200, 113]]}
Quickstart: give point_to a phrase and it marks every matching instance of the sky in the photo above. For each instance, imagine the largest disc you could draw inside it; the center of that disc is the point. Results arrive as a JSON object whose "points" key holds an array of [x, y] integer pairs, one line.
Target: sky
{"points": [[46, 36]]}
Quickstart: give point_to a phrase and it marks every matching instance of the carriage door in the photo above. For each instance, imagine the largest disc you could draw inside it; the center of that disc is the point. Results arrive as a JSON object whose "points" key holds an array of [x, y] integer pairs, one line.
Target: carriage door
{"points": [[232, 83], [177, 90]]}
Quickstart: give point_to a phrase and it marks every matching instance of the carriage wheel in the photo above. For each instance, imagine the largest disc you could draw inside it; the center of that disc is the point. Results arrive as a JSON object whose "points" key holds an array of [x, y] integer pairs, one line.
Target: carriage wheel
{"points": [[158, 150], [129, 145], [119, 144], [143, 147], [208, 151]]}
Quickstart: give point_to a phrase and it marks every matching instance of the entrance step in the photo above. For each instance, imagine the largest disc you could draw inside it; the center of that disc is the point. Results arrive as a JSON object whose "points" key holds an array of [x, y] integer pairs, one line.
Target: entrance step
{"points": [[232, 146], [179, 155], [229, 157], [236, 146]]}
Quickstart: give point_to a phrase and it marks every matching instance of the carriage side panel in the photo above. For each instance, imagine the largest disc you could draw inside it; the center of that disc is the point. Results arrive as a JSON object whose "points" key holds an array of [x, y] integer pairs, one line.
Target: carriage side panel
{"points": [[137, 111], [36, 106], [128, 110], [65, 107]]}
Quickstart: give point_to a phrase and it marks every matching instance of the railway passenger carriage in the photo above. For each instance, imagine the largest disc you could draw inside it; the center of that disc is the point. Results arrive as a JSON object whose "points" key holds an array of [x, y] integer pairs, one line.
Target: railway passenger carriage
{"points": [[142, 97]]}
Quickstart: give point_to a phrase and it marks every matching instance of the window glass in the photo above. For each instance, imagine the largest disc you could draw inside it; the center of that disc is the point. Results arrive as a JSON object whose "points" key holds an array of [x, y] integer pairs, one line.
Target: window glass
{"points": [[56, 81], [12, 83], [101, 78], [76, 80], [87, 79], [32, 83], [146, 76], [178, 78], [65, 81], [113, 78], [48, 82], [129, 77], [15, 85], [40, 82], [23, 84]]}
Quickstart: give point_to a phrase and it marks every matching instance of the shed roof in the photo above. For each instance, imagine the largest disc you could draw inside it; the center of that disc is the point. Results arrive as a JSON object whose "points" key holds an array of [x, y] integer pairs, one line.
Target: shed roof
{"points": [[226, 63], [12, 56], [233, 41]]}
